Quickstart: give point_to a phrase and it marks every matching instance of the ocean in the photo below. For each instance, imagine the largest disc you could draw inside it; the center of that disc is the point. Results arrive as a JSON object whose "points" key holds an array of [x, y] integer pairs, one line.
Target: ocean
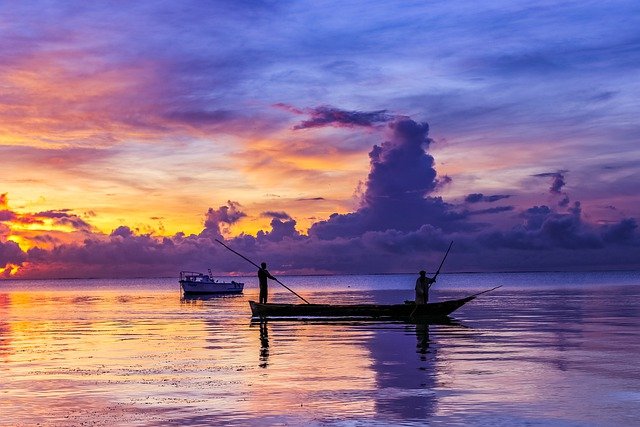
{"points": [[545, 349]]}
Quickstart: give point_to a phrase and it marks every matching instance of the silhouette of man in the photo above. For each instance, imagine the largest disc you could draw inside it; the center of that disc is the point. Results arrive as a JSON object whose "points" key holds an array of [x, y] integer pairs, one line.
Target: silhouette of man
{"points": [[423, 283], [263, 275]]}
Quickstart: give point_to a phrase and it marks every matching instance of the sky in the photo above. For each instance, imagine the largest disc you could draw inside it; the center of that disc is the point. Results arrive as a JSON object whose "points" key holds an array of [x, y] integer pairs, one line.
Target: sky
{"points": [[321, 137]]}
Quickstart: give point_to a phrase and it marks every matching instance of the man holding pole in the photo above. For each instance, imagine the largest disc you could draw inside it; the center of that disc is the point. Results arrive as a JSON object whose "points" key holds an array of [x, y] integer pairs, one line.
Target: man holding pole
{"points": [[423, 283], [263, 275]]}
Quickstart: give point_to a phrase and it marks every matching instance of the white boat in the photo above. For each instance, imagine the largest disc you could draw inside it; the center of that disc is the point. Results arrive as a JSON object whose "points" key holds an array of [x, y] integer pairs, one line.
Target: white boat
{"points": [[192, 282]]}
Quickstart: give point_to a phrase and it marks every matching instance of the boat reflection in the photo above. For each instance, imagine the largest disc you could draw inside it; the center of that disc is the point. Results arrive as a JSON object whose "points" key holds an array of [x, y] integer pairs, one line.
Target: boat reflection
{"points": [[195, 298]]}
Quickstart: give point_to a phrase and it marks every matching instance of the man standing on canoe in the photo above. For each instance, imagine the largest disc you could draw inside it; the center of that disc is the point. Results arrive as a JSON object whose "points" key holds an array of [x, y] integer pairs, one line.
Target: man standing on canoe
{"points": [[263, 275], [423, 283]]}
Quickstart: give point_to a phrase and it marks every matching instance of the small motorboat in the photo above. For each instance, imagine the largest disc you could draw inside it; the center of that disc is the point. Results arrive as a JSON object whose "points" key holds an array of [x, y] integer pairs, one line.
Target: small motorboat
{"points": [[192, 282]]}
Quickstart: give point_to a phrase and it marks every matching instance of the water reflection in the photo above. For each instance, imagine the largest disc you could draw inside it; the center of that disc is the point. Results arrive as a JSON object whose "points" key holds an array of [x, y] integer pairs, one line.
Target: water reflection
{"points": [[5, 327], [264, 344], [107, 357], [422, 334], [406, 371], [195, 298]]}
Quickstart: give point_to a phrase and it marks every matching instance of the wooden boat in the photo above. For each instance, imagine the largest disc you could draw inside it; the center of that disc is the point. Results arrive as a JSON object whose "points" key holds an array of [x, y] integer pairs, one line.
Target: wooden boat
{"points": [[433, 310], [193, 283]]}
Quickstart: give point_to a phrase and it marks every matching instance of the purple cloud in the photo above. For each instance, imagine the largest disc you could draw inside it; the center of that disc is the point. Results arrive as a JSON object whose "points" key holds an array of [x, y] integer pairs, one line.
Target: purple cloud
{"points": [[218, 220], [330, 116], [64, 217], [558, 181], [278, 215], [310, 199], [497, 209], [280, 230], [11, 254], [479, 197], [395, 195]]}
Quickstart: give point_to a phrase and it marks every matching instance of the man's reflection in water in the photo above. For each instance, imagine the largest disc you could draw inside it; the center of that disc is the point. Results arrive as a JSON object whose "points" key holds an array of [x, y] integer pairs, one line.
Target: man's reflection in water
{"points": [[264, 344], [405, 383], [422, 334]]}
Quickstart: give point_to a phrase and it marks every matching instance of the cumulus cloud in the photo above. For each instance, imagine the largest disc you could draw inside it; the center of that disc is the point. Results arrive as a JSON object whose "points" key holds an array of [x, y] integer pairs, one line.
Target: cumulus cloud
{"points": [[218, 220], [396, 192], [280, 230]]}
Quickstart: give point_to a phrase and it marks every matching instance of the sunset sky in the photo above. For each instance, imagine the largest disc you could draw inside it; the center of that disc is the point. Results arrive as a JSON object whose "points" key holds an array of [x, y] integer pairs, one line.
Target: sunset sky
{"points": [[321, 137]]}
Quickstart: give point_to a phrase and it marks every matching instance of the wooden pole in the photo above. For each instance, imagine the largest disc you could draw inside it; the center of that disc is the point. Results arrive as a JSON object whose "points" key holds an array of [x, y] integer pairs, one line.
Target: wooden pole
{"points": [[247, 259], [445, 257]]}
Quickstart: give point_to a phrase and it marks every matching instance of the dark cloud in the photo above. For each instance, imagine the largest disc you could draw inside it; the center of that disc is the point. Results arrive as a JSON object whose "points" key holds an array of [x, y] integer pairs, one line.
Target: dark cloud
{"points": [[558, 180], [621, 232], [473, 198], [479, 197], [330, 116], [442, 182], [311, 199], [545, 229], [10, 254], [57, 217], [63, 217], [7, 215], [497, 209], [278, 215]]}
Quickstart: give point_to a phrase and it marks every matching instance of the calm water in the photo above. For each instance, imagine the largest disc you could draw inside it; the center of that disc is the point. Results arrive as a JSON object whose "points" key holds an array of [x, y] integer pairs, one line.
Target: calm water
{"points": [[556, 349]]}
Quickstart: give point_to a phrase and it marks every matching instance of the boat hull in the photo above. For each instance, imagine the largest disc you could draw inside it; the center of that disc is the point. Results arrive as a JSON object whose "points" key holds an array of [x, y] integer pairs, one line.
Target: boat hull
{"points": [[193, 288], [373, 311]]}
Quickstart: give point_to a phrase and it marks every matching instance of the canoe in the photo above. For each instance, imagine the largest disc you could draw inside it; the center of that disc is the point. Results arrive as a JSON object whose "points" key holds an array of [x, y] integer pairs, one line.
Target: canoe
{"points": [[375, 311], [432, 310]]}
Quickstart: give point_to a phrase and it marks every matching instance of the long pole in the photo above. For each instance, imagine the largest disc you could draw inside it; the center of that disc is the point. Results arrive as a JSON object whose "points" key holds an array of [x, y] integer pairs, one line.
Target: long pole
{"points": [[445, 257], [435, 275], [247, 259]]}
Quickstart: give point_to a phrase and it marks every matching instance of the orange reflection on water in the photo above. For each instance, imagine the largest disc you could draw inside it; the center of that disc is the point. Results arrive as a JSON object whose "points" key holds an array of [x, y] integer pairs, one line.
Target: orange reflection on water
{"points": [[99, 355]]}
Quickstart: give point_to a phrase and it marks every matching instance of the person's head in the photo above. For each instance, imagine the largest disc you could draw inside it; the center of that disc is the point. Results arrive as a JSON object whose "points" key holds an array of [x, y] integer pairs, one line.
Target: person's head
{"points": [[423, 273], [263, 265]]}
